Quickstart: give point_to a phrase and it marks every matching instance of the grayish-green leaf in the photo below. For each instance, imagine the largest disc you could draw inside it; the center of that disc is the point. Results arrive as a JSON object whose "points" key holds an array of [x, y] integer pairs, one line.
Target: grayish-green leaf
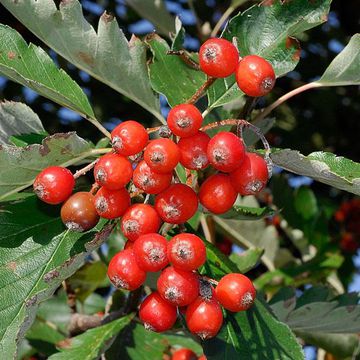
{"points": [[247, 213], [106, 55], [344, 69], [20, 166], [31, 66], [17, 118], [94, 342], [179, 36], [36, 255], [248, 259], [327, 168], [154, 11]]}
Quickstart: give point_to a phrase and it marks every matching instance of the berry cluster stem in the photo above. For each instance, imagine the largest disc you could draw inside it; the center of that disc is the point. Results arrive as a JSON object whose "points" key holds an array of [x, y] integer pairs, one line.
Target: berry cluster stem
{"points": [[85, 169], [210, 80], [185, 58]]}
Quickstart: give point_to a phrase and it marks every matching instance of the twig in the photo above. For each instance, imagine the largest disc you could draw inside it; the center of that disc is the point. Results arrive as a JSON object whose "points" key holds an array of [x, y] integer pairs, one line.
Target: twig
{"points": [[221, 21], [99, 126], [85, 169], [210, 80], [197, 21], [185, 58]]}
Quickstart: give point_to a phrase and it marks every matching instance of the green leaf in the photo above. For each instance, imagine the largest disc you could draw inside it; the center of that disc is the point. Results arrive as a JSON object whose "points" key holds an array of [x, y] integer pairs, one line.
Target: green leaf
{"points": [[247, 259], [254, 334], [154, 11], [87, 279], [274, 40], [94, 342], [327, 168], [317, 311], [27, 139], [32, 67], [247, 213], [36, 255], [169, 75], [105, 55], [305, 203], [179, 36], [17, 118], [20, 166], [344, 69]]}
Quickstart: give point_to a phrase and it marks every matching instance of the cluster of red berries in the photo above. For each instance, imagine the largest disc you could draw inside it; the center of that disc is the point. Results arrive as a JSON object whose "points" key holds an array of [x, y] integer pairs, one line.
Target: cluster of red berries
{"points": [[179, 286], [219, 58]]}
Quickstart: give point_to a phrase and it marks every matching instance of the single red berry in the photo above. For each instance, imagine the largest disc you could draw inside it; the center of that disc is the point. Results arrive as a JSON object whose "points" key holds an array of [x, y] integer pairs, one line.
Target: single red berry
{"points": [[218, 58], [140, 219], [78, 212], [184, 120], [348, 243], [124, 271], [157, 314], [129, 138], [193, 151], [226, 151], [204, 317], [252, 175], [235, 292], [255, 76], [184, 354], [178, 287], [186, 252], [150, 181], [162, 155], [202, 357], [113, 171], [111, 204], [217, 194], [177, 204], [54, 184], [151, 252]]}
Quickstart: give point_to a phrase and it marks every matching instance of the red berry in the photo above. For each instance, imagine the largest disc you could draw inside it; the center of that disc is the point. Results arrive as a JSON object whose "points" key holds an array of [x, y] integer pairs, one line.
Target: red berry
{"points": [[150, 181], [204, 317], [54, 184], [151, 252], [113, 171], [225, 151], [255, 76], [218, 58], [129, 138], [124, 271], [348, 243], [252, 175], [111, 204], [157, 314], [202, 357], [162, 155], [140, 219], [193, 150], [184, 120], [184, 354], [235, 292], [78, 212], [186, 252], [177, 204], [217, 194], [178, 287]]}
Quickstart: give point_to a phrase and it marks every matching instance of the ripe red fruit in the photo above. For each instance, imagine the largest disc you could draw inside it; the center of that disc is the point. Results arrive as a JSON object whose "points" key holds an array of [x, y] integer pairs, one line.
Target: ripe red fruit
{"points": [[151, 252], [184, 120], [193, 150], [186, 252], [202, 357], [226, 151], [178, 287], [113, 171], [252, 175], [140, 219], [217, 194], [124, 271], [162, 155], [235, 292], [129, 138], [204, 317], [255, 76], [111, 204], [184, 354], [54, 184], [150, 181], [218, 58], [78, 212], [348, 243], [177, 204], [157, 314]]}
